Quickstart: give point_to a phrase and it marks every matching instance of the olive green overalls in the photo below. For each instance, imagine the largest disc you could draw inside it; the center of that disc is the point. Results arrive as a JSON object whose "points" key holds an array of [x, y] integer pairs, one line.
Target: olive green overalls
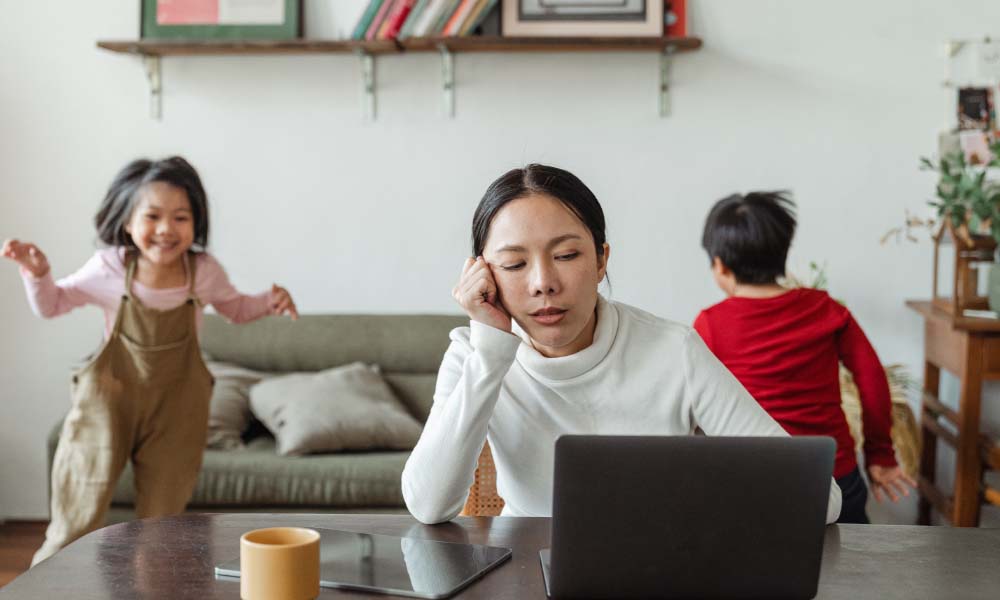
{"points": [[143, 397]]}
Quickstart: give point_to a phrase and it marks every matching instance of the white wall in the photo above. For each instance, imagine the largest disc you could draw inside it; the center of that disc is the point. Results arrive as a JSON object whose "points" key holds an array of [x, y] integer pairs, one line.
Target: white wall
{"points": [[833, 100]]}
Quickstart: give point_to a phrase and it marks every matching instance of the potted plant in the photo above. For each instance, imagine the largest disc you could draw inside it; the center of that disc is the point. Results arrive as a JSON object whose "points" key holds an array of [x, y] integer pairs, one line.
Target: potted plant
{"points": [[968, 210]]}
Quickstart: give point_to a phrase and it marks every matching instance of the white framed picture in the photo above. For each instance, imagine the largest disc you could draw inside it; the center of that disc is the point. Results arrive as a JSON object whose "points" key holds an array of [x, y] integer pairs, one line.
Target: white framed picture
{"points": [[569, 18]]}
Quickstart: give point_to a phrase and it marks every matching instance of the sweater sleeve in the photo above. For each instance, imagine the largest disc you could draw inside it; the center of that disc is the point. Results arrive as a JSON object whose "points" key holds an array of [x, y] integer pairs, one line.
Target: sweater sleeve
{"points": [[720, 405], [215, 288], [859, 357], [441, 468], [50, 298]]}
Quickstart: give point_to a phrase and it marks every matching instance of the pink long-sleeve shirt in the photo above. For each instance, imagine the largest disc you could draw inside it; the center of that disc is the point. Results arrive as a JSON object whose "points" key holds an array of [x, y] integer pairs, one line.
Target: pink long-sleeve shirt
{"points": [[101, 282]]}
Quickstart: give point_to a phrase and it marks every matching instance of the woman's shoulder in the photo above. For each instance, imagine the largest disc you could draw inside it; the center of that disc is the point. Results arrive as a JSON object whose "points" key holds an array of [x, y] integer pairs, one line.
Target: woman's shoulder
{"points": [[644, 325]]}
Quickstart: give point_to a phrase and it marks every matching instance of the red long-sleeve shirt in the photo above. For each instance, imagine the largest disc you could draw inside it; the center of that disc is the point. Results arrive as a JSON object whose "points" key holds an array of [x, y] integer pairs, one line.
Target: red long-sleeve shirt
{"points": [[785, 351]]}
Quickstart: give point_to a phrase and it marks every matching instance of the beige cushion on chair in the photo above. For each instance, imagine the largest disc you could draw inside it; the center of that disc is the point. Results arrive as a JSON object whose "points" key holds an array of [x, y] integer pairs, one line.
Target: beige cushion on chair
{"points": [[344, 408]]}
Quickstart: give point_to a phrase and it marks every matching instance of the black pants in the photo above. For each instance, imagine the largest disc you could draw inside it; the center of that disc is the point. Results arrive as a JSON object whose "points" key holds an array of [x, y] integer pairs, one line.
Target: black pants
{"points": [[854, 495]]}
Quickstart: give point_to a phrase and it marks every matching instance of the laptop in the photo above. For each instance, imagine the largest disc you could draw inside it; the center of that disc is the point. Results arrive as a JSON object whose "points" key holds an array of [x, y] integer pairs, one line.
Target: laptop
{"points": [[688, 517]]}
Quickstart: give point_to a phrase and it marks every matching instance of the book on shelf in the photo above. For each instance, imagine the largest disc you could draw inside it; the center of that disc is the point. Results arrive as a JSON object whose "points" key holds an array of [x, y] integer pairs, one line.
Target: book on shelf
{"points": [[412, 19], [478, 15], [437, 28], [428, 18], [458, 17], [379, 19], [396, 18], [402, 19], [675, 18], [366, 19]]}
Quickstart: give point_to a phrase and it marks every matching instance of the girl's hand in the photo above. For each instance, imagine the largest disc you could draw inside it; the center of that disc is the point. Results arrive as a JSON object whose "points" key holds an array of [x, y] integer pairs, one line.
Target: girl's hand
{"points": [[28, 256], [890, 482], [477, 293], [281, 302]]}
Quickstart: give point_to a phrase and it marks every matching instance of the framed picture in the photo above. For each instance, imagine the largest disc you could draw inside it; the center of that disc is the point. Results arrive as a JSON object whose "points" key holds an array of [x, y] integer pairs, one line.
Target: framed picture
{"points": [[568, 18], [975, 109], [221, 19]]}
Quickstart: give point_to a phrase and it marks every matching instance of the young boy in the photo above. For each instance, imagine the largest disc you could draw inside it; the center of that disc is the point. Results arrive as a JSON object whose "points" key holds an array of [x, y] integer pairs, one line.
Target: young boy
{"points": [[785, 345]]}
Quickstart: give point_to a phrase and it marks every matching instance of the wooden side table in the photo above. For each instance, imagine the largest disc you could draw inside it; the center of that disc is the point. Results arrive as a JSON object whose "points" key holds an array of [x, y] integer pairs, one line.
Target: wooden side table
{"points": [[970, 349]]}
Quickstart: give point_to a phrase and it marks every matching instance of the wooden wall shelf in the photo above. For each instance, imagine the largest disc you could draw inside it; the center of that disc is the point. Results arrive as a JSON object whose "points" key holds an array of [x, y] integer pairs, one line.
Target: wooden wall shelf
{"points": [[151, 51]]}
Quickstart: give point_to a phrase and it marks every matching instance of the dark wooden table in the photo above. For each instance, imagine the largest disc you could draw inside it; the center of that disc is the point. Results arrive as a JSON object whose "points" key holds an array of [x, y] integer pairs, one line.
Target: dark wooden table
{"points": [[970, 349], [174, 558]]}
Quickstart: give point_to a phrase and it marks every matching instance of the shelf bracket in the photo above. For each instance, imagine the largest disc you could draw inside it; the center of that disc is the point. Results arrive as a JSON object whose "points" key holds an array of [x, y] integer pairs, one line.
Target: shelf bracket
{"points": [[153, 74], [666, 69], [448, 79], [367, 84]]}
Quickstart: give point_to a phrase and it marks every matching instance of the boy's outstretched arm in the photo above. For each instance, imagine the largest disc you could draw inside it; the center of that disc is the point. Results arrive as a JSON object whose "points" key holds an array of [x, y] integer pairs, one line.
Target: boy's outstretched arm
{"points": [[856, 352]]}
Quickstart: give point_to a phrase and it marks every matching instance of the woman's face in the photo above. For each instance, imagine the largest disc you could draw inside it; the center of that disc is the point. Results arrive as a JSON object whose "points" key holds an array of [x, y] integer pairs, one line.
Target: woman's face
{"points": [[547, 271]]}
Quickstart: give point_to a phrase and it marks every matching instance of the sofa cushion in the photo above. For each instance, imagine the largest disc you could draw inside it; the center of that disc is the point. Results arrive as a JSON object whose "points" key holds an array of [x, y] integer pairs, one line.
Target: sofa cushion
{"points": [[229, 411], [257, 476], [345, 408]]}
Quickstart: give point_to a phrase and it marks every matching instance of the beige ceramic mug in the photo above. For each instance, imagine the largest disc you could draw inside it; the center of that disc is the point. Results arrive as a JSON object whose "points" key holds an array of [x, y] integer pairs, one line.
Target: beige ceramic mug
{"points": [[279, 563]]}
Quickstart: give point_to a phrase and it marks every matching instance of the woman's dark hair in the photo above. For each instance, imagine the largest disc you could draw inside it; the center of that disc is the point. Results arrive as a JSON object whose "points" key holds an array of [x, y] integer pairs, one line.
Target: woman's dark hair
{"points": [[751, 234], [120, 201], [538, 179]]}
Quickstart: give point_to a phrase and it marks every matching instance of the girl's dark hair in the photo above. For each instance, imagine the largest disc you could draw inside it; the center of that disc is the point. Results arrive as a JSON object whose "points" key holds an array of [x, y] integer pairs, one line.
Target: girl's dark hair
{"points": [[538, 179], [120, 201], [751, 234]]}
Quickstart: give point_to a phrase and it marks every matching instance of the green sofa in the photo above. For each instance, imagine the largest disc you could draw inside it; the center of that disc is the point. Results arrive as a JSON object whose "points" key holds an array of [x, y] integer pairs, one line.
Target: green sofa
{"points": [[408, 348]]}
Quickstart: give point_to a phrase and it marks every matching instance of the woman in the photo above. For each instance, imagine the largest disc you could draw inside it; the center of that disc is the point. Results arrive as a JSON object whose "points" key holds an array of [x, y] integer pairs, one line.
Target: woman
{"points": [[546, 355]]}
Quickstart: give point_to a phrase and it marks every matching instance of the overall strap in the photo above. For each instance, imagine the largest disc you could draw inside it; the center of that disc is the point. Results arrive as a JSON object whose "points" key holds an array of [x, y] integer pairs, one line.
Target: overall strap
{"points": [[130, 261], [191, 264]]}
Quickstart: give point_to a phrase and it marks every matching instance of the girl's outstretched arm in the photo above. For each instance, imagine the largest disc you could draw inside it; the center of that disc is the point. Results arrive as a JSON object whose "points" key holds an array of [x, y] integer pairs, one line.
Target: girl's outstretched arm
{"points": [[213, 287], [47, 297]]}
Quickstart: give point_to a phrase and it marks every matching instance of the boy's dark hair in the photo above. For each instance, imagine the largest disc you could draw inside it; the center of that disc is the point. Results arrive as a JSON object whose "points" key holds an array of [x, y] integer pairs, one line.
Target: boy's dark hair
{"points": [[120, 201], [751, 234], [538, 179]]}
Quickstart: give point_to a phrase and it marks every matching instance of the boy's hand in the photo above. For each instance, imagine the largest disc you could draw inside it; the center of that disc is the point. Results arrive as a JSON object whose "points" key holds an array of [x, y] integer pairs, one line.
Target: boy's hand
{"points": [[890, 482], [28, 256], [281, 302], [477, 293]]}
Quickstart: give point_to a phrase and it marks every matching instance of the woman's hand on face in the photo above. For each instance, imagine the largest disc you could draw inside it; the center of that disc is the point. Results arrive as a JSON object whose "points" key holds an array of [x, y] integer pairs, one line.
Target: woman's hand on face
{"points": [[890, 482], [281, 302], [477, 294], [27, 255]]}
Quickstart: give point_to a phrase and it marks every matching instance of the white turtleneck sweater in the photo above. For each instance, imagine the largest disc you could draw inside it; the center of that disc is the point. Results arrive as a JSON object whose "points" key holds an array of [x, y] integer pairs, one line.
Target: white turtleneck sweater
{"points": [[642, 375]]}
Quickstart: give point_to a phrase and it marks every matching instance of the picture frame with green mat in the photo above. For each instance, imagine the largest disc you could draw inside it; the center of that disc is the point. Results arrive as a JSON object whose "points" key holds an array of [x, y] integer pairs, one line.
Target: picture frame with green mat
{"points": [[209, 20]]}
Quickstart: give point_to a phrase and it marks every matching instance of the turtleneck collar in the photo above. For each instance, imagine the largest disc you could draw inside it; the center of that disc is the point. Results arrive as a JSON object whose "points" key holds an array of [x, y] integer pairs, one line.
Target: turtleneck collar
{"points": [[567, 367]]}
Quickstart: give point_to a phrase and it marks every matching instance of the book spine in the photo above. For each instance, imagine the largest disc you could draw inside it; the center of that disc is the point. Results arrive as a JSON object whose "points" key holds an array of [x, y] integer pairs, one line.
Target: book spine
{"points": [[378, 20], [458, 17], [450, 7], [411, 21], [366, 20], [478, 16], [434, 8], [397, 18]]}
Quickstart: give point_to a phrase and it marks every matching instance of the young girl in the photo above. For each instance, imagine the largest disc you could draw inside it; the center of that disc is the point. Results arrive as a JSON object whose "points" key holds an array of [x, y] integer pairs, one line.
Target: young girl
{"points": [[785, 345], [546, 355], [144, 396]]}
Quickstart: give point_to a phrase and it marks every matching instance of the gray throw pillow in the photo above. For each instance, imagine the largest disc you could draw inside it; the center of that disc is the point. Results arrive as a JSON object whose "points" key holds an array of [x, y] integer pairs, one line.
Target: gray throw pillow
{"points": [[229, 410], [346, 408]]}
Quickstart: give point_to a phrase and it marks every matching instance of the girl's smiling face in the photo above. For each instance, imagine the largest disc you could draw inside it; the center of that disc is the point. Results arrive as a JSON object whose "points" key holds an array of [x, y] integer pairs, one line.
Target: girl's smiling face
{"points": [[162, 224], [547, 270]]}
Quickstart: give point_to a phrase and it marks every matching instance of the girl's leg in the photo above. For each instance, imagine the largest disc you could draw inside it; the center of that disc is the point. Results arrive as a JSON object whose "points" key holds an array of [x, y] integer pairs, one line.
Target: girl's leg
{"points": [[88, 461], [855, 495], [168, 458]]}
